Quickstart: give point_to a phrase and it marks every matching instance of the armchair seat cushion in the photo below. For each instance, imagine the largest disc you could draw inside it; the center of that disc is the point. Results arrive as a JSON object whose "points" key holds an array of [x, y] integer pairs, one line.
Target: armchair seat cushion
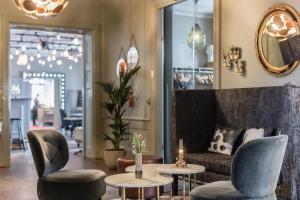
{"points": [[213, 162], [222, 190], [72, 185]]}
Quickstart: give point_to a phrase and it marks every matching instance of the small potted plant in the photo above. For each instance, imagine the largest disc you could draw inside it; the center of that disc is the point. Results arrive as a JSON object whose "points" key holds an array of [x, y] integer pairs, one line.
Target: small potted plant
{"points": [[115, 105], [138, 145]]}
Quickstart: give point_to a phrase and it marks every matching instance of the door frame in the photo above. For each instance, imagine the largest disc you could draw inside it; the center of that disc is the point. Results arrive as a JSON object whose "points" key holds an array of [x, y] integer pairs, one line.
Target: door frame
{"points": [[160, 67], [5, 23]]}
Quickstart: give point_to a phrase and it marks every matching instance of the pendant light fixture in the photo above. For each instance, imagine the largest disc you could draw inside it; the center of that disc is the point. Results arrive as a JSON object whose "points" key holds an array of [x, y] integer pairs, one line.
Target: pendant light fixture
{"points": [[22, 59], [196, 38], [41, 8]]}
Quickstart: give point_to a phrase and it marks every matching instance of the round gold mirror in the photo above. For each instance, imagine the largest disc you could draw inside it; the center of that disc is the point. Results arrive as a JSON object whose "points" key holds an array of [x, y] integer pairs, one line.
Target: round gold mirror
{"points": [[278, 24]]}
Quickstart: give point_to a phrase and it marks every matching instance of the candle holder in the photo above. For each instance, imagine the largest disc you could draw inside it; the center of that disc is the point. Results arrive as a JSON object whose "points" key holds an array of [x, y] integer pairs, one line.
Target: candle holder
{"points": [[180, 162]]}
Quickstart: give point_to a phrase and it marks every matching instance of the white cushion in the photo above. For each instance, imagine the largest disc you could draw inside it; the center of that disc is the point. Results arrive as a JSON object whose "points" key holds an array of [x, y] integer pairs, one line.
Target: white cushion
{"points": [[253, 134]]}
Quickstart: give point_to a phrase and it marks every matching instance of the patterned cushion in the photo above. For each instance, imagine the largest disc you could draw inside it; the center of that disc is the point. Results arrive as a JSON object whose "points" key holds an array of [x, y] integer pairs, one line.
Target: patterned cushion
{"points": [[223, 140], [213, 162]]}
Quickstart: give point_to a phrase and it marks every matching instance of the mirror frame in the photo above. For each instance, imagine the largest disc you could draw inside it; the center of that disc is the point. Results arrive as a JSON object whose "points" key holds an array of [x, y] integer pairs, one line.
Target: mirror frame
{"points": [[274, 71]]}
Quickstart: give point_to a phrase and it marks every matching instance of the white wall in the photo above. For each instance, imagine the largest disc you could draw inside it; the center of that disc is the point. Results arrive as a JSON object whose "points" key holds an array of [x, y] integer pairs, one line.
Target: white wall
{"points": [[240, 20]]}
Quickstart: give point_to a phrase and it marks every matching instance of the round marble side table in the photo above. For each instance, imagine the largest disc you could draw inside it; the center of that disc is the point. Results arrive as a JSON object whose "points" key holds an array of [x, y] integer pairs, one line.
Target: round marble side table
{"points": [[188, 171], [128, 180]]}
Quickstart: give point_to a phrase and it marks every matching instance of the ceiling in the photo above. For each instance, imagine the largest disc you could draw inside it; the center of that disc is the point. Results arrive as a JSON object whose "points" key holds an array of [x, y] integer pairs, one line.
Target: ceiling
{"points": [[204, 8], [33, 40]]}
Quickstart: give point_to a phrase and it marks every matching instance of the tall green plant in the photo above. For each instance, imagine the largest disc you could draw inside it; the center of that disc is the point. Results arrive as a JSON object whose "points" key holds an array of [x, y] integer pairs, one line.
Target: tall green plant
{"points": [[117, 97]]}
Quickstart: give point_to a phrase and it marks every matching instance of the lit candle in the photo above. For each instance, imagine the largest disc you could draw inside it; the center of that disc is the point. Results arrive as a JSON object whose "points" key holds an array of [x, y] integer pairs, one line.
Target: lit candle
{"points": [[181, 144]]}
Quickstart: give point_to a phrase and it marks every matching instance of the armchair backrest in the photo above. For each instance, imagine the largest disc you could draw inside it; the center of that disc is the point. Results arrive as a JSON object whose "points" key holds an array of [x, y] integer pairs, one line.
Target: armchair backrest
{"points": [[49, 150], [256, 166]]}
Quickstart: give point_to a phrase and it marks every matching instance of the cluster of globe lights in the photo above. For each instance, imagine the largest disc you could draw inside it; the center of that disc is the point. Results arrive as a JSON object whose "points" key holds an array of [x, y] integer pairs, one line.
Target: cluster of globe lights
{"points": [[41, 8], [52, 56]]}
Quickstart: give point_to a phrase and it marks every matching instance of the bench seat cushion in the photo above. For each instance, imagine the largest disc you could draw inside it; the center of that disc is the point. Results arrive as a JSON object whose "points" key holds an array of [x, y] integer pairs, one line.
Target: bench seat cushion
{"points": [[213, 162]]}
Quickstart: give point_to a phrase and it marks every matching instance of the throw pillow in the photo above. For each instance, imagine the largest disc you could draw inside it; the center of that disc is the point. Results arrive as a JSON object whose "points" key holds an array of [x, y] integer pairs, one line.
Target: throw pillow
{"points": [[253, 134], [224, 140]]}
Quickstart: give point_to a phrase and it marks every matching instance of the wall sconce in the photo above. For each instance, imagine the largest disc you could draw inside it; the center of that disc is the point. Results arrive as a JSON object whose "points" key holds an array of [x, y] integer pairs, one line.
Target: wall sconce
{"points": [[232, 60]]}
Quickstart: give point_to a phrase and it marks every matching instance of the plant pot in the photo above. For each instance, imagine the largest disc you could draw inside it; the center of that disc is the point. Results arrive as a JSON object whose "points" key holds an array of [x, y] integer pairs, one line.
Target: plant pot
{"points": [[111, 157]]}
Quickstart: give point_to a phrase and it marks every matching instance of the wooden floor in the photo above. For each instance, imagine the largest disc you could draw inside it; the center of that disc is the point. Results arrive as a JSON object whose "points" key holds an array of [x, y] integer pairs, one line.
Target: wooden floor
{"points": [[18, 182]]}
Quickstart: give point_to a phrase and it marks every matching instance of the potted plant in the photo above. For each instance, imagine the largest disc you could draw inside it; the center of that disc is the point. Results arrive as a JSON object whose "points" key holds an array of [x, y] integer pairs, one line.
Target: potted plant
{"points": [[138, 145], [115, 104]]}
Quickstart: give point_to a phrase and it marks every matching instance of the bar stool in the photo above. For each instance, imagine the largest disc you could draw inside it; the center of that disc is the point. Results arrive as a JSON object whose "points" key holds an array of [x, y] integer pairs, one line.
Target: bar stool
{"points": [[20, 139]]}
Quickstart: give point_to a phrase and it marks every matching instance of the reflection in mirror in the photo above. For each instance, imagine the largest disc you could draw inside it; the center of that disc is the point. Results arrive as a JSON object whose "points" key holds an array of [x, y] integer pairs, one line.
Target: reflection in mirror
{"points": [[121, 67], [132, 57], [279, 23]]}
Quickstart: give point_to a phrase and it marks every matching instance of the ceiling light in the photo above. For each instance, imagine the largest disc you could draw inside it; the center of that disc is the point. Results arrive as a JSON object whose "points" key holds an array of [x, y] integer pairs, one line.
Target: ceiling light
{"points": [[59, 62], [66, 53], [22, 59], [39, 46], [196, 38], [28, 66], [23, 48], [41, 8], [76, 41]]}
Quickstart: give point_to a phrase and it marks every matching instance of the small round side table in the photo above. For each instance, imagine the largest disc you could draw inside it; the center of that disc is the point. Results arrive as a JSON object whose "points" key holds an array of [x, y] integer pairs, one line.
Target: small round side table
{"points": [[173, 170], [128, 180]]}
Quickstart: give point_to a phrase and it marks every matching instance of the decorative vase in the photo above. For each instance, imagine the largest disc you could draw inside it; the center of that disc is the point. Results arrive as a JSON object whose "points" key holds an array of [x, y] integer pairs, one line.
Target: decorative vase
{"points": [[138, 165]]}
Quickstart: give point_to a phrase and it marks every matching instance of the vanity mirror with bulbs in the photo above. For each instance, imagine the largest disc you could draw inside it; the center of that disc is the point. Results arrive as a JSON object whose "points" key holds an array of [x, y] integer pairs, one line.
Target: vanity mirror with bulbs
{"points": [[279, 24]]}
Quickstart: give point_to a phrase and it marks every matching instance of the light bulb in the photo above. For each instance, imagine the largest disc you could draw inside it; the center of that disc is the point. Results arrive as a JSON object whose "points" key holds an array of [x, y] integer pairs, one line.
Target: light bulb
{"points": [[76, 60], [11, 57], [54, 52], [43, 63], [59, 62], [23, 59], [17, 52], [54, 58], [28, 66], [38, 55], [66, 53], [40, 62], [31, 58], [49, 59], [23, 47]]}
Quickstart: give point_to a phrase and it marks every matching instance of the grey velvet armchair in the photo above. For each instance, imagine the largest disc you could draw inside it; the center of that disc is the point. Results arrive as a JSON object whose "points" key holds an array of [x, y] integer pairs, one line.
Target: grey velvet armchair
{"points": [[255, 171], [50, 153]]}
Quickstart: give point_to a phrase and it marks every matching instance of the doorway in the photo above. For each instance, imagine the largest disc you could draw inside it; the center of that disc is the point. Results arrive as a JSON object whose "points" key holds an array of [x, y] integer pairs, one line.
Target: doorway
{"points": [[188, 61], [48, 80]]}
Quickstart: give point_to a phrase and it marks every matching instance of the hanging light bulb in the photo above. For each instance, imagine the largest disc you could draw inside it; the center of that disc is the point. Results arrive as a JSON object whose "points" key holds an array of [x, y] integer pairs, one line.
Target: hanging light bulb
{"points": [[49, 58], [28, 66], [41, 8], [76, 40], [196, 38], [39, 46], [23, 47], [66, 53], [22, 59], [59, 62]]}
